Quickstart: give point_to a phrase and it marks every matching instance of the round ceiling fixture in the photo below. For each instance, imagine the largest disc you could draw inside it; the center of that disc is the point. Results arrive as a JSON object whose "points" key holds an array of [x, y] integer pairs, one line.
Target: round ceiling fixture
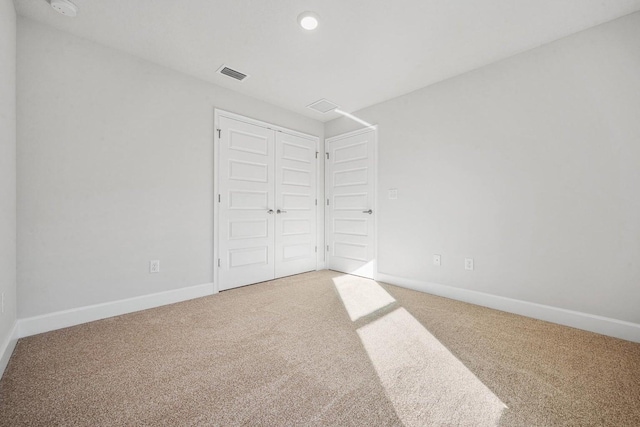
{"points": [[64, 7], [308, 20]]}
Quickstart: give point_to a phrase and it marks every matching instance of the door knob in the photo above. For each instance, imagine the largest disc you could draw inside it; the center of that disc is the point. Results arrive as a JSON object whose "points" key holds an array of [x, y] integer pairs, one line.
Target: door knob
{"points": [[270, 211], [280, 211], [369, 211]]}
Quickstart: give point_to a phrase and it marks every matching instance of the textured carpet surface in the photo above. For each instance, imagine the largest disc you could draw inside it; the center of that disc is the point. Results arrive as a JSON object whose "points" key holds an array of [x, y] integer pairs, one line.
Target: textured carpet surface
{"points": [[287, 353]]}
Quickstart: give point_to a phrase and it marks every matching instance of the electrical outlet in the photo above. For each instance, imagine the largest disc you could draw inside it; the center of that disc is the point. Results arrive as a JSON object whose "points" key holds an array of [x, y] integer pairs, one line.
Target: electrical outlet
{"points": [[154, 266], [393, 193], [468, 263], [436, 260]]}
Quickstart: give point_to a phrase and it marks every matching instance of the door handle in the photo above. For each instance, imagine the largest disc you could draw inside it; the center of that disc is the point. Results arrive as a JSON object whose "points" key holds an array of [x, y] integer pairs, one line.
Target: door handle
{"points": [[280, 211], [270, 211], [369, 211]]}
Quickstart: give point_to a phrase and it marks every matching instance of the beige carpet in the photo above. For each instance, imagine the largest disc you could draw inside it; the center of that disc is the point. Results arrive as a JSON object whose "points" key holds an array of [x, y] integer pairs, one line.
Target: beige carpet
{"points": [[321, 349]]}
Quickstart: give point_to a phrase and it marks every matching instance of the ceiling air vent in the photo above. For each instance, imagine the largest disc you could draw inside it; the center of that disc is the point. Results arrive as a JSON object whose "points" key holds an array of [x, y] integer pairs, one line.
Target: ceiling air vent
{"points": [[322, 106], [230, 72]]}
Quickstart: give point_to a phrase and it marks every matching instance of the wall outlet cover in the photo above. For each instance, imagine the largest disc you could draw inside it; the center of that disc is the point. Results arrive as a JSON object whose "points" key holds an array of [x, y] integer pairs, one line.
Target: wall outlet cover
{"points": [[154, 266], [468, 263], [436, 260]]}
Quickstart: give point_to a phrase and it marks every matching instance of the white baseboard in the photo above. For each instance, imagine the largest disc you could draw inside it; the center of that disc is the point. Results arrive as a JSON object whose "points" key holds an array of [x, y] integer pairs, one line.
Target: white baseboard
{"points": [[7, 348], [588, 322], [76, 316]]}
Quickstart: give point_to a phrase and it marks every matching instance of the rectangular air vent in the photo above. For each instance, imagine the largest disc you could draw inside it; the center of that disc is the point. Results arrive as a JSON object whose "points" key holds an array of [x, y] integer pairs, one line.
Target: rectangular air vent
{"points": [[322, 106], [230, 72]]}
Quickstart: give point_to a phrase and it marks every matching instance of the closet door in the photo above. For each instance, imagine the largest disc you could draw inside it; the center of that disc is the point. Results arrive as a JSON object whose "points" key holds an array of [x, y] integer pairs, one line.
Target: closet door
{"points": [[295, 243], [246, 223]]}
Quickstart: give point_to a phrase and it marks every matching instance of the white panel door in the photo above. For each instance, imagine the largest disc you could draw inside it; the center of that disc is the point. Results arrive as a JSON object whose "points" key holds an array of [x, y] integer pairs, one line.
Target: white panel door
{"points": [[246, 223], [350, 180], [295, 204]]}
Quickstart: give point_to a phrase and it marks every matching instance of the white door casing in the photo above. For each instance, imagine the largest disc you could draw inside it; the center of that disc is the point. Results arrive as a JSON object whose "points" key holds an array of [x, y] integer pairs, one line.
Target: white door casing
{"points": [[351, 205], [265, 213]]}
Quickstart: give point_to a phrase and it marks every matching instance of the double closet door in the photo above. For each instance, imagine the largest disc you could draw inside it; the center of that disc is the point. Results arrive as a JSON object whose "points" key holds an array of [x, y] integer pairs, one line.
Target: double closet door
{"points": [[267, 199]]}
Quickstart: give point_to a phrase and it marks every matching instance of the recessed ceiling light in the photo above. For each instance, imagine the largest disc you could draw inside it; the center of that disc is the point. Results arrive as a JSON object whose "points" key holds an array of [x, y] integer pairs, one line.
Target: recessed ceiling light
{"points": [[308, 20]]}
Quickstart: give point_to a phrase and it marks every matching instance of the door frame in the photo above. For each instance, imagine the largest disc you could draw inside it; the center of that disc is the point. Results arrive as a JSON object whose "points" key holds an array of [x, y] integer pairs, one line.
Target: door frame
{"points": [[217, 115], [327, 194]]}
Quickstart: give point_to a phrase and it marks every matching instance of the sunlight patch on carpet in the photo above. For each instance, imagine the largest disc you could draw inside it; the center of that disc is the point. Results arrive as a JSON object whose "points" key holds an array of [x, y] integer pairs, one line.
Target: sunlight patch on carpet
{"points": [[361, 296], [427, 385]]}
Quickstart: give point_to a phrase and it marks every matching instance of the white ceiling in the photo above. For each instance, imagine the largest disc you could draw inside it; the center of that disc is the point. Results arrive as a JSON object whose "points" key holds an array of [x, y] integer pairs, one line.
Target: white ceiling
{"points": [[363, 52]]}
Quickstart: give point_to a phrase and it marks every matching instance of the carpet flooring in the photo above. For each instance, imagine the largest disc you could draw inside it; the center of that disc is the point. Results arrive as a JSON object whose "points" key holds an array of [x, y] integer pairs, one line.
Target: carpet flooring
{"points": [[321, 348]]}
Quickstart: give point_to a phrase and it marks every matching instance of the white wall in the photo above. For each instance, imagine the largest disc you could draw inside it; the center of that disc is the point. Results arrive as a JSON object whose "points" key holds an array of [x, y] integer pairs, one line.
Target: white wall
{"points": [[531, 166], [115, 168], [7, 177]]}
